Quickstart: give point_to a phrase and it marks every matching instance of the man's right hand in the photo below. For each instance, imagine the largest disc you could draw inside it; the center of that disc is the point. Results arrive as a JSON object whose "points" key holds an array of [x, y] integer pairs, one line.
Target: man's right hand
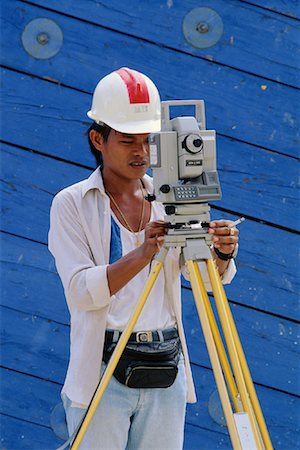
{"points": [[122, 271], [154, 238]]}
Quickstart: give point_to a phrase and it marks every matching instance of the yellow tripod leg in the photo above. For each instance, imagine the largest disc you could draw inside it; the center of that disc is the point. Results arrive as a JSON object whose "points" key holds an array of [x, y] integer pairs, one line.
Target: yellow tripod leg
{"points": [[219, 345], [221, 299], [199, 293], [115, 357], [248, 379]]}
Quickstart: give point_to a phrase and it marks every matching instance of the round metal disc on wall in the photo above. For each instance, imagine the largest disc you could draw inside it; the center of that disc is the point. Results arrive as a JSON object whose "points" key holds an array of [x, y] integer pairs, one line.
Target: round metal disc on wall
{"points": [[42, 38], [58, 422], [202, 27], [215, 409]]}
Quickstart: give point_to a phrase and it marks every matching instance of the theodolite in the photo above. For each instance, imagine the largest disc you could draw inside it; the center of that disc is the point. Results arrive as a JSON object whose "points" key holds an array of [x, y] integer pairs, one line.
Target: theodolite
{"points": [[184, 170]]}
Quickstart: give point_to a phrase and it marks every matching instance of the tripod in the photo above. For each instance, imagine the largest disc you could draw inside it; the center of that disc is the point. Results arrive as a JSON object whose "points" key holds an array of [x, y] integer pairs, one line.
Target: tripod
{"points": [[246, 426]]}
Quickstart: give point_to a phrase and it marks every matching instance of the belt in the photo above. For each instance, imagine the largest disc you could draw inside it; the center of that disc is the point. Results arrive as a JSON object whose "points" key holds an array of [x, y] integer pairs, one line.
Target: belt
{"points": [[112, 336]]}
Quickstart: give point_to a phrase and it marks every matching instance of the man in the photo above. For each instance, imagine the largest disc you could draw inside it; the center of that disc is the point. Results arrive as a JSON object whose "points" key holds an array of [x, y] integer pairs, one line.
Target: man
{"points": [[104, 235]]}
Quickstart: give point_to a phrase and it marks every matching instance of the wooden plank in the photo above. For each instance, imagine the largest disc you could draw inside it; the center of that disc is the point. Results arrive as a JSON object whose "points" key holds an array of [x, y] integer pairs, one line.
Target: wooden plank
{"points": [[46, 396], [270, 344], [38, 346], [18, 434], [257, 283], [28, 398], [33, 189], [254, 174], [34, 345], [287, 7], [196, 438], [32, 400], [29, 269], [49, 118], [24, 262], [253, 40], [260, 179], [29, 280], [238, 104], [281, 411], [266, 272]]}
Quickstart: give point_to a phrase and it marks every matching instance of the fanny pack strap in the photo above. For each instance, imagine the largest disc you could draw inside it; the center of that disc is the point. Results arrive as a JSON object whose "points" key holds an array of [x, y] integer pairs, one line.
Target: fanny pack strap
{"points": [[112, 336], [116, 336]]}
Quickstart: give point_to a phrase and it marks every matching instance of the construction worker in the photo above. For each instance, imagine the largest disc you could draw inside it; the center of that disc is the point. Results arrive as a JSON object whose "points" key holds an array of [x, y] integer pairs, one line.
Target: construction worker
{"points": [[104, 235]]}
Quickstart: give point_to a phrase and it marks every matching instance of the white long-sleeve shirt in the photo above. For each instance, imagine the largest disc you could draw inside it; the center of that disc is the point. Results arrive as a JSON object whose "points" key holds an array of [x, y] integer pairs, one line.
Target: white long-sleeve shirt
{"points": [[157, 313], [79, 239]]}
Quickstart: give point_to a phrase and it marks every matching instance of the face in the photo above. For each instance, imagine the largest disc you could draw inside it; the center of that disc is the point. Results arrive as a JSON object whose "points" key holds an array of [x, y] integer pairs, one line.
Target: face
{"points": [[125, 155]]}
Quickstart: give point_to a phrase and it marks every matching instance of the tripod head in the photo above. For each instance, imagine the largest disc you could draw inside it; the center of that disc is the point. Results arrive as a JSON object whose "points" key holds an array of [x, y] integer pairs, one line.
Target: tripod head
{"points": [[183, 162]]}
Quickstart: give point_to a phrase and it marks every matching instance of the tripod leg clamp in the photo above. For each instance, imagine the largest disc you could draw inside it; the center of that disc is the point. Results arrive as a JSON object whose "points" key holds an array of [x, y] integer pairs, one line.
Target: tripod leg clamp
{"points": [[196, 250]]}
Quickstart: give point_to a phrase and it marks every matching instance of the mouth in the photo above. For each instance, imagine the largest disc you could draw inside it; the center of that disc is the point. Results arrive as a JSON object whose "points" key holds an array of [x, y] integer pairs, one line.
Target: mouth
{"points": [[138, 164]]}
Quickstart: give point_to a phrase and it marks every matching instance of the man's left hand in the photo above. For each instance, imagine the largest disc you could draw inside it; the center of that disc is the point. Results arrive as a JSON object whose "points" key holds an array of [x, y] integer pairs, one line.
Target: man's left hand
{"points": [[224, 237]]}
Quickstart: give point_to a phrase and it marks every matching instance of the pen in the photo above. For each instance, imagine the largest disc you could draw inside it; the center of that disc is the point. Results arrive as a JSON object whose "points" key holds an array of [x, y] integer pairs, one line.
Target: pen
{"points": [[237, 222]]}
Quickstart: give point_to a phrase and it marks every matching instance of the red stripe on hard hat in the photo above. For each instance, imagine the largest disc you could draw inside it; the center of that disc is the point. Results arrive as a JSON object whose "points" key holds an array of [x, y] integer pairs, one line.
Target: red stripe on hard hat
{"points": [[136, 86]]}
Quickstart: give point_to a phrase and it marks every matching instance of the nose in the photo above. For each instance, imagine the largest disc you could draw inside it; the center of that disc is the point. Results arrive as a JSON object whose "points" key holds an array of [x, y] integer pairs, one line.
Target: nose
{"points": [[141, 148]]}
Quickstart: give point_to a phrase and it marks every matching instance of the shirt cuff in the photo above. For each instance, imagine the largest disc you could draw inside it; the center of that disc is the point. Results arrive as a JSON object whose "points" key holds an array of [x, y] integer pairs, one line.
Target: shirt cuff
{"points": [[97, 285], [229, 273]]}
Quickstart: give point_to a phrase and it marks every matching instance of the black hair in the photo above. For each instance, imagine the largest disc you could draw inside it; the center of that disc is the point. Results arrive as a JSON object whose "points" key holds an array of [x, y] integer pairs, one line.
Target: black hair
{"points": [[104, 130]]}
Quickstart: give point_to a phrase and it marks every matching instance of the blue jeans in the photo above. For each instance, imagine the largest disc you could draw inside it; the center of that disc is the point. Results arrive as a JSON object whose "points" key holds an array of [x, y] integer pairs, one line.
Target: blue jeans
{"points": [[135, 419]]}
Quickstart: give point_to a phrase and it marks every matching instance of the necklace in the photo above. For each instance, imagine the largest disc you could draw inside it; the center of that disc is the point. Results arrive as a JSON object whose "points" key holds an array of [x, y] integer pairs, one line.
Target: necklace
{"points": [[136, 234]]}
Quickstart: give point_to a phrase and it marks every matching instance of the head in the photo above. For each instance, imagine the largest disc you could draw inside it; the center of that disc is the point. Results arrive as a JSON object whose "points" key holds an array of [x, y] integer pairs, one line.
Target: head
{"points": [[126, 102], [120, 154], [95, 132]]}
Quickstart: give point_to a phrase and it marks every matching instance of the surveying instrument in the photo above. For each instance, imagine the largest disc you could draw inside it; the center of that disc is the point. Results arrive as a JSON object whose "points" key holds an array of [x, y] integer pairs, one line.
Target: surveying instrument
{"points": [[185, 178]]}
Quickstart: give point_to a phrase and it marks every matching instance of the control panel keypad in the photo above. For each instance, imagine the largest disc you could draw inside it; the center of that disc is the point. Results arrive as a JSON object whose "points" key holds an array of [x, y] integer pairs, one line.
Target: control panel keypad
{"points": [[185, 192]]}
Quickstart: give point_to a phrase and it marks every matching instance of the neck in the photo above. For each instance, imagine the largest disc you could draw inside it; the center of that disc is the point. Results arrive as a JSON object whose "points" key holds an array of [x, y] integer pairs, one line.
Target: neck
{"points": [[117, 185]]}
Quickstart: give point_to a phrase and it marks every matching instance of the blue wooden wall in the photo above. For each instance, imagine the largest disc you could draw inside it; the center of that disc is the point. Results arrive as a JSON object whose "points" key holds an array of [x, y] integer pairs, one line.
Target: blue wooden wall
{"points": [[250, 83]]}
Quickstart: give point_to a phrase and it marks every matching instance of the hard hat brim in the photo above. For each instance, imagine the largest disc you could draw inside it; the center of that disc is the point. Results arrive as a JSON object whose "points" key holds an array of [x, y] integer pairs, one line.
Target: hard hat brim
{"points": [[140, 127]]}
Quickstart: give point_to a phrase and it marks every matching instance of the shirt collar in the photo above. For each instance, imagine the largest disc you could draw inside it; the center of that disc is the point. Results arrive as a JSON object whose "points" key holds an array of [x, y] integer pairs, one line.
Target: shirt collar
{"points": [[95, 181]]}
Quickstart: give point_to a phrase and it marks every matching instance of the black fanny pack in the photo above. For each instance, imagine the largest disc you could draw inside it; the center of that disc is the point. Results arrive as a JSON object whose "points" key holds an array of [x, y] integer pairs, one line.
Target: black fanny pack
{"points": [[151, 364]]}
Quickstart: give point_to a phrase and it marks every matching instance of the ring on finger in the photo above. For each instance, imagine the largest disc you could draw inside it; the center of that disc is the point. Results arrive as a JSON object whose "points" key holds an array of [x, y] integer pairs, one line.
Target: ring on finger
{"points": [[231, 232]]}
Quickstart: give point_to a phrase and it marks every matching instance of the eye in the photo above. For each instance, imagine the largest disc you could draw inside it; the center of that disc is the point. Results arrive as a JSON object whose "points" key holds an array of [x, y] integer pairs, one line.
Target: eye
{"points": [[126, 142]]}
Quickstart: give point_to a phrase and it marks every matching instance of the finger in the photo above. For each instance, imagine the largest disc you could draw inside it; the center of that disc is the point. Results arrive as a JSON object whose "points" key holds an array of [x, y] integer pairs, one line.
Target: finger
{"points": [[155, 243], [220, 223], [232, 231], [225, 231], [220, 227], [158, 223], [155, 239], [226, 240], [153, 231]]}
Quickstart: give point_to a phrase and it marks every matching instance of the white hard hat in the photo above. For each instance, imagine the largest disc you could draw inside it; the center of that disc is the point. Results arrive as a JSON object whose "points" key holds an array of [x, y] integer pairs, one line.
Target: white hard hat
{"points": [[127, 101]]}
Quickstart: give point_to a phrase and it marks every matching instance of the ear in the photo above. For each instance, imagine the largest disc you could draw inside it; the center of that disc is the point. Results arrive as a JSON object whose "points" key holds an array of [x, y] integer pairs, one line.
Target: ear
{"points": [[97, 139]]}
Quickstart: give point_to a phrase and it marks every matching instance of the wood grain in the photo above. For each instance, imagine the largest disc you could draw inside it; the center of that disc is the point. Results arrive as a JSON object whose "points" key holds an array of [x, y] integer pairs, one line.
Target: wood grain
{"points": [[249, 81], [238, 104], [266, 272], [255, 182], [254, 40], [271, 345]]}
